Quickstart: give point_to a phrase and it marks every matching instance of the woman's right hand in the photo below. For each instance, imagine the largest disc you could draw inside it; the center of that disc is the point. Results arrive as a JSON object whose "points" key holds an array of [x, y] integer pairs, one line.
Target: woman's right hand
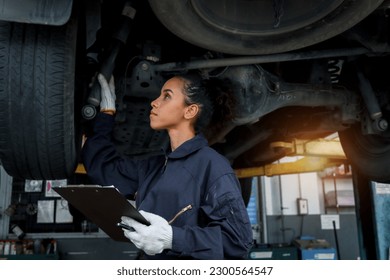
{"points": [[108, 97]]}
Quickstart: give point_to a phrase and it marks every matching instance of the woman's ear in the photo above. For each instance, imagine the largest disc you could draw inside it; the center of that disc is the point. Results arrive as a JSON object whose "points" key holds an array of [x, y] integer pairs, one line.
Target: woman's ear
{"points": [[191, 111]]}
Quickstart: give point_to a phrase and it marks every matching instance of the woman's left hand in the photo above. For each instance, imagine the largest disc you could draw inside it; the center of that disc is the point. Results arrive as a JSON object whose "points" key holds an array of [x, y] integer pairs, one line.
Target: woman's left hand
{"points": [[152, 239]]}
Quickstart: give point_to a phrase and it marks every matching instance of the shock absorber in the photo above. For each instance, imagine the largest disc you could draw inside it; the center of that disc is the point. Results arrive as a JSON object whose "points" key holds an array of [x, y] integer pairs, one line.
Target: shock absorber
{"points": [[107, 67], [378, 123]]}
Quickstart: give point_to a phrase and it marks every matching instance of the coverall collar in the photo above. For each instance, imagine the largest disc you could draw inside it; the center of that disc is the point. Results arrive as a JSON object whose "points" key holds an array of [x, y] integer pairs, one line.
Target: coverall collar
{"points": [[188, 147]]}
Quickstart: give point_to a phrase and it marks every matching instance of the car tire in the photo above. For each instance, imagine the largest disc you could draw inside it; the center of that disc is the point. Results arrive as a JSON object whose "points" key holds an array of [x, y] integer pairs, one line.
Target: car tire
{"points": [[37, 74], [369, 154]]}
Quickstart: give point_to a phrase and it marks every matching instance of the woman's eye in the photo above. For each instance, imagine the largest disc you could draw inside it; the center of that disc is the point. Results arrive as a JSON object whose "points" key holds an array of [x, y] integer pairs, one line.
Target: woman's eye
{"points": [[166, 96]]}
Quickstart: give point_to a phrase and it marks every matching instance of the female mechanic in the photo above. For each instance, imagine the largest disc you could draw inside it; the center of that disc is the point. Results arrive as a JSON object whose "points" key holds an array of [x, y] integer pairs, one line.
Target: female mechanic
{"points": [[190, 194]]}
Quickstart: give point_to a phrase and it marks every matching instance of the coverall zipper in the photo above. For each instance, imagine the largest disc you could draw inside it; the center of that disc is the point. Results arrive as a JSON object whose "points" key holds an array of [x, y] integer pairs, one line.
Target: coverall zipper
{"points": [[165, 164], [188, 207]]}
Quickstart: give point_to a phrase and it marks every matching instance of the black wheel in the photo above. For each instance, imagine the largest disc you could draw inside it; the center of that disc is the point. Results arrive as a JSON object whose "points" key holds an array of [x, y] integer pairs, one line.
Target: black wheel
{"points": [[259, 27], [370, 154], [37, 74]]}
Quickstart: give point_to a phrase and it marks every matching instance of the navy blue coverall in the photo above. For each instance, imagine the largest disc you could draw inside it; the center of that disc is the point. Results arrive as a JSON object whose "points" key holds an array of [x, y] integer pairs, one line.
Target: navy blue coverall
{"points": [[194, 187]]}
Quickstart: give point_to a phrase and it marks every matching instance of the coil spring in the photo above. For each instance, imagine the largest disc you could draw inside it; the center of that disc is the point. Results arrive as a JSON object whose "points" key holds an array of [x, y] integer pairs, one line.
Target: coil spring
{"points": [[334, 69]]}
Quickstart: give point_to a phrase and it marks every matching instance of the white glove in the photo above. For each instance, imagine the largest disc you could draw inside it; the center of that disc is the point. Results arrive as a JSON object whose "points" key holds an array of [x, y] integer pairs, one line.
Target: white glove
{"points": [[107, 102], [151, 239]]}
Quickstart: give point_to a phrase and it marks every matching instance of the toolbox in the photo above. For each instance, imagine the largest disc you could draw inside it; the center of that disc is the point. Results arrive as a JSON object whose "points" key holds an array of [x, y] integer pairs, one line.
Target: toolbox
{"points": [[315, 249]]}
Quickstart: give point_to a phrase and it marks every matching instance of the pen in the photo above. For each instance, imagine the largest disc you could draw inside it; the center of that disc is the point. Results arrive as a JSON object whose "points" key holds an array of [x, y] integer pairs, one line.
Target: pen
{"points": [[122, 225]]}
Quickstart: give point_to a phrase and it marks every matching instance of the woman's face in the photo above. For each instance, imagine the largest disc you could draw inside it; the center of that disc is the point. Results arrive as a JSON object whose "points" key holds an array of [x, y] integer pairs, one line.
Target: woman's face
{"points": [[168, 110]]}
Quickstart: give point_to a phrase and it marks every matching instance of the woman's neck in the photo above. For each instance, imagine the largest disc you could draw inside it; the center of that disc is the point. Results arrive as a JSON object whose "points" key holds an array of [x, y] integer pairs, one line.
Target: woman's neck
{"points": [[178, 137]]}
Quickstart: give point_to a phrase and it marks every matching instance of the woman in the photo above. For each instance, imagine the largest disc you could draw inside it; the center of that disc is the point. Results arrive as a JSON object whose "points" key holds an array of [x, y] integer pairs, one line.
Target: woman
{"points": [[190, 195]]}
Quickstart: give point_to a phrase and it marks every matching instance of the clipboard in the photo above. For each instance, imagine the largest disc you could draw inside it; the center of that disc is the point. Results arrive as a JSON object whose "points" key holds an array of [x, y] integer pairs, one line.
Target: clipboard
{"points": [[103, 205]]}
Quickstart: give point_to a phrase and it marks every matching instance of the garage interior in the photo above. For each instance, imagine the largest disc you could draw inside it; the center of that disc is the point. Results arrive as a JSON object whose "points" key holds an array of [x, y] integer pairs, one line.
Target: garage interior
{"points": [[310, 81], [308, 205]]}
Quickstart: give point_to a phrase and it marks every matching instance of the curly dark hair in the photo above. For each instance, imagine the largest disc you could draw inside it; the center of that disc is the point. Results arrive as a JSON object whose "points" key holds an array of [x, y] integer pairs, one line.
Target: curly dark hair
{"points": [[213, 95]]}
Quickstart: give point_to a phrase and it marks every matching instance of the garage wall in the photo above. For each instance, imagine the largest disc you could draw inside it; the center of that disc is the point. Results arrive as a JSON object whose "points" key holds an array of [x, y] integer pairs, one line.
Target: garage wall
{"points": [[282, 192], [284, 224]]}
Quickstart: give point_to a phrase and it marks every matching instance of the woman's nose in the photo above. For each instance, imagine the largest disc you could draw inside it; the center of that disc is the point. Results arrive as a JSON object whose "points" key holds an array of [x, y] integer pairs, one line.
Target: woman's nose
{"points": [[154, 103]]}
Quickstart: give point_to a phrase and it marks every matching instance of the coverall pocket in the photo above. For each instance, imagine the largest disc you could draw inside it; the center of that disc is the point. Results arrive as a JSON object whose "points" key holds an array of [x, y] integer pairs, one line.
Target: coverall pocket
{"points": [[234, 210]]}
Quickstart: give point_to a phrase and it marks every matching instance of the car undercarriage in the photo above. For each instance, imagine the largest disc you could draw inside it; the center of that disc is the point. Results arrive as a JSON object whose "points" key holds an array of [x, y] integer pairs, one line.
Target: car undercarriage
{"points": [[300, 70]]}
